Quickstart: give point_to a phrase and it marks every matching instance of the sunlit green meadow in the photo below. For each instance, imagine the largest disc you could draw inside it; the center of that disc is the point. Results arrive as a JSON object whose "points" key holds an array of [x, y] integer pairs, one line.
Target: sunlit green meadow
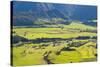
{"points": [[62, 52]]}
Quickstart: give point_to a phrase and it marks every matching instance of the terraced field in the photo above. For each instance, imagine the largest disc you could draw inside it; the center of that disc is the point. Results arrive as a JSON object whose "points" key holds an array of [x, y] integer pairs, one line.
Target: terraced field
{"points": [[51, 33], [54, 45]]}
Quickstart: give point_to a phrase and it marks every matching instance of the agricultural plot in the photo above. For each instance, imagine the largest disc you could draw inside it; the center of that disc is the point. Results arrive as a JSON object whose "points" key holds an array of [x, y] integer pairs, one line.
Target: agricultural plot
{"points": [[52, 36], [52, 46]]}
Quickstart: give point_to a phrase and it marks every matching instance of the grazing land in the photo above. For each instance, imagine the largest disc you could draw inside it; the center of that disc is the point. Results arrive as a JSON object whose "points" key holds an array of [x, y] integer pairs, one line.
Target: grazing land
{"points": [[51, 33], [54, 45]]}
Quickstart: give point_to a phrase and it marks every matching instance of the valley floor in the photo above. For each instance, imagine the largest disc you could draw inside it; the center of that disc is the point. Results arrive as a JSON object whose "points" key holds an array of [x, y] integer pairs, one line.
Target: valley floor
{"points": [[53, 46]]}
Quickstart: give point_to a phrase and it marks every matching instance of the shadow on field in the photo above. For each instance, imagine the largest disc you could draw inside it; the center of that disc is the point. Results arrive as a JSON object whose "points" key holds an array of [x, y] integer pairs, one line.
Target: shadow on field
{"points": [[18, 40]]}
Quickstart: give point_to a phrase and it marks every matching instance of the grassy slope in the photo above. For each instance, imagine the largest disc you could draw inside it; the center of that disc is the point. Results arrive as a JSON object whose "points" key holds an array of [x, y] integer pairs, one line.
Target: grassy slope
{"points": [[36, 57], [65, 57], [33, 33], [80, 26]]}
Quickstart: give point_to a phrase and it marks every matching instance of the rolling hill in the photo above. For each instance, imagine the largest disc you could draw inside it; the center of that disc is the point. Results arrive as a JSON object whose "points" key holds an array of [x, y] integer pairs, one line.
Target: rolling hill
{"points": [[35, 13]]}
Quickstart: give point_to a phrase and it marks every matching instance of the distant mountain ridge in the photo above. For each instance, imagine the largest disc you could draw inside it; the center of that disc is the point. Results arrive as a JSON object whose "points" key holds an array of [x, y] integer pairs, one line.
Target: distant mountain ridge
{"points": [[27, 13]]}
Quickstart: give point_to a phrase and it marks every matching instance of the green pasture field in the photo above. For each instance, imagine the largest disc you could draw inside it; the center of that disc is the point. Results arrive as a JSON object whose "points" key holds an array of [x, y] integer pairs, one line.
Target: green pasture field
{"points": [[33, 53], [33, 33]]}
